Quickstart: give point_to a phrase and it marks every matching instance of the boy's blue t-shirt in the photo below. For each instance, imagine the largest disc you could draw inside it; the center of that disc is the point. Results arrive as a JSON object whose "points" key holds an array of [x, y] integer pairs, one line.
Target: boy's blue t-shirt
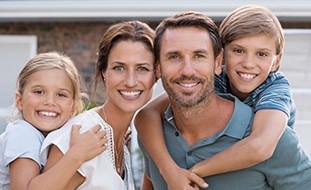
{"points": [[274, 93]]}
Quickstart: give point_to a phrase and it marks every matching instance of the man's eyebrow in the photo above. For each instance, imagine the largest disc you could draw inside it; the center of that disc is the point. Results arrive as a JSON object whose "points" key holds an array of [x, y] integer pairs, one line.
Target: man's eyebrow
{"points": [[172, 52], [201, 51]]}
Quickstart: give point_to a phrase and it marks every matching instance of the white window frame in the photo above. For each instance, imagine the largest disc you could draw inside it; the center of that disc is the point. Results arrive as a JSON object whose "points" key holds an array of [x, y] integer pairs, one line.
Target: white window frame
{"points": [[31, 44]]}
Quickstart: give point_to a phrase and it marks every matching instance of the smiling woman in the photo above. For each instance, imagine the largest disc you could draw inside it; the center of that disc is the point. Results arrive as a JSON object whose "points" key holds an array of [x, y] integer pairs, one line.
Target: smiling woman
{"points": [[125, 66]]}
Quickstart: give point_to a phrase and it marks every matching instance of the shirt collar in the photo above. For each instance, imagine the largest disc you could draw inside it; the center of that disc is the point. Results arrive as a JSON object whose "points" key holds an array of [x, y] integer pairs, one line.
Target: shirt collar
{"points": [[240, 120], [238, 125]]}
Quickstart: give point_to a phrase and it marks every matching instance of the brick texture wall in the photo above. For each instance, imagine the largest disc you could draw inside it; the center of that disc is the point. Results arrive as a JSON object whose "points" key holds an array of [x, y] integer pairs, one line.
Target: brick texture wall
{"points": [[79, 40]]}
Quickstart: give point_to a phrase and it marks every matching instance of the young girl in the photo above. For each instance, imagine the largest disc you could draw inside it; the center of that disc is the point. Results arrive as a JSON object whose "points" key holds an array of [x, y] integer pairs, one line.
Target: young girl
{"points": [[253, 45], [48, 95], [125, 66]]}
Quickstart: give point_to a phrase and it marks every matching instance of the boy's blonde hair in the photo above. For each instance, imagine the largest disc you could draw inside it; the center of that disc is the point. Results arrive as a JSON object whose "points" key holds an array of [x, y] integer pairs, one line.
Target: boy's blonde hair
{"points": [[53, 60], [251, 20]]}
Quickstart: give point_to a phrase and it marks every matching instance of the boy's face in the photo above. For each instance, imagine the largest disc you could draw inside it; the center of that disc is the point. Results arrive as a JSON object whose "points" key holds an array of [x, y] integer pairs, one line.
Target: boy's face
{"points": [[249, 60]]}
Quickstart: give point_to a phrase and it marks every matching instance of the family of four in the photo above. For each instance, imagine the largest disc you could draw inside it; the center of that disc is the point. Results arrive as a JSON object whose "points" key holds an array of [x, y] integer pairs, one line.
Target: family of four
{"points": [[225, 121]]}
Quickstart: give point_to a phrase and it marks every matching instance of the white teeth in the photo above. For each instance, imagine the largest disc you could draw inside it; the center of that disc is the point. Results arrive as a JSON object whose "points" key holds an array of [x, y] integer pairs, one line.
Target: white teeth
{"points": [[247, 76], [130, 93], [188, 85], [49, 114]]}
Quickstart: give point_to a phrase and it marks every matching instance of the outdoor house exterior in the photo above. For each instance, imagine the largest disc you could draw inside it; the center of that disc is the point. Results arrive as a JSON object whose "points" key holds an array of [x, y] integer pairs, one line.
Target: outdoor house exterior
{"points": [[75, 27]]}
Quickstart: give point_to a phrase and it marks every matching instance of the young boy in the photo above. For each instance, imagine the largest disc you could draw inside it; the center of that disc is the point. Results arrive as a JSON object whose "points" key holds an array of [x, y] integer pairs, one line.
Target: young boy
{"points": [[253, 43]]}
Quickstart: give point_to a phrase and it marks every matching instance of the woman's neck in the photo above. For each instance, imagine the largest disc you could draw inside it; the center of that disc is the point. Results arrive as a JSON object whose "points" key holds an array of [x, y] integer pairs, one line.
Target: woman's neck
{"points": [[117, 119]]}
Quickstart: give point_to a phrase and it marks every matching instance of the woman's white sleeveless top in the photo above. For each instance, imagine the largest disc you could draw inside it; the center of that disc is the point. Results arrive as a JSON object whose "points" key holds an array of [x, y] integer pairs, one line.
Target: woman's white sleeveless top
{"points": [[100, 172]]}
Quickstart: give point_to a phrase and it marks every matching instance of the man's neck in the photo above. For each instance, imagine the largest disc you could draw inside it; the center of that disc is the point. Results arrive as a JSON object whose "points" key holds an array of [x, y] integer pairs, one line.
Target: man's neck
{"points": [[205, 120]]}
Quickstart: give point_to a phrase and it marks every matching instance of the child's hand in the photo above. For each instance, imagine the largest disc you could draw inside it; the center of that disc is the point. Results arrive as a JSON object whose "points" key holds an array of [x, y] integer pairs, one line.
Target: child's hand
{"points": [[88, 144], [180, 178]]}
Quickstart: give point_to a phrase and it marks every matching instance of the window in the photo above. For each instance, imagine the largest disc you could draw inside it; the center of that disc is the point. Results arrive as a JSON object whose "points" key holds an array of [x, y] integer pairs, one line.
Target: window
{"points": [[15, 51]]}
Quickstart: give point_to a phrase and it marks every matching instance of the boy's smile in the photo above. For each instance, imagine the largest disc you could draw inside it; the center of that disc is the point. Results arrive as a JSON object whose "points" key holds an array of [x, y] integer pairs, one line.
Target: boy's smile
{"points": [[249, 61]]}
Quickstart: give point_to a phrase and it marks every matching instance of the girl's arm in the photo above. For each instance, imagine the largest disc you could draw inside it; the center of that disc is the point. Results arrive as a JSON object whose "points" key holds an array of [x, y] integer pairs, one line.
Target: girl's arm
{"points": [[268, 126], [22, 170], [149, 127], [25, 173], [56, 162]]}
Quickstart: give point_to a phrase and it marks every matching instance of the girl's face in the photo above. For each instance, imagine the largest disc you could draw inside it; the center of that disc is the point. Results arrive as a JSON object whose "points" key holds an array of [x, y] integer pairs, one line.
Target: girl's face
{"points": [[130, 76], [47, 101], [249, 61]]}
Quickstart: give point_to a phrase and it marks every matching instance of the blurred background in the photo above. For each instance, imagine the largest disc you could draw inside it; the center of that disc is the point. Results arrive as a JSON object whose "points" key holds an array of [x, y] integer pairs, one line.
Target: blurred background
{"points": [[74, 27]]}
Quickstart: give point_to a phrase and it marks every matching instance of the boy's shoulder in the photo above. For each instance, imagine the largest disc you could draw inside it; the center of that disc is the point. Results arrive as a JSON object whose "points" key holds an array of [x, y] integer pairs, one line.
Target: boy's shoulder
{"points": [[275, 84], [275, 79]]}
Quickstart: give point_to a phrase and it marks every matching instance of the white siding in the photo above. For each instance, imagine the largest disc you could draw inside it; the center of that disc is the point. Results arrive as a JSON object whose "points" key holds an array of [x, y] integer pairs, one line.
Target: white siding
{"points": [[296, 65]]}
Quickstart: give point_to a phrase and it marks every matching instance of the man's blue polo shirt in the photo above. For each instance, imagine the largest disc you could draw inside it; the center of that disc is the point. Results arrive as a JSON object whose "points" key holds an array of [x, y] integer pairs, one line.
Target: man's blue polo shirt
{"points": [[288, 169]]}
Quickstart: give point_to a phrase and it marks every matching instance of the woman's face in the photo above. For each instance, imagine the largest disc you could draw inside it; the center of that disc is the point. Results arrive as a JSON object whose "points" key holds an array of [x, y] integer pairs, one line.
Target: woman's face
{"points": [[130, 76]]}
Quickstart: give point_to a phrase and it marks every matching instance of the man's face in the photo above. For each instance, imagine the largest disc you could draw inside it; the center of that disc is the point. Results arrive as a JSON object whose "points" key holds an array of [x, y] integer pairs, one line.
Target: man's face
{"points": [[187, 65]]}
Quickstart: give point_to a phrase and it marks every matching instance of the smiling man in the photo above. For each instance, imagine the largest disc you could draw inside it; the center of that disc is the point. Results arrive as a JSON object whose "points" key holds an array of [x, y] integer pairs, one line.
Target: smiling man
{"points": [[198, 123]]}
